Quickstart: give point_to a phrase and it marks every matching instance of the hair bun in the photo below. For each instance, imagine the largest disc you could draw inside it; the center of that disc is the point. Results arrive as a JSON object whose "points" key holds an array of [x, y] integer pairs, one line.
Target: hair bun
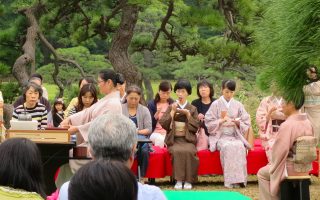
{"points": [[120, 78]]}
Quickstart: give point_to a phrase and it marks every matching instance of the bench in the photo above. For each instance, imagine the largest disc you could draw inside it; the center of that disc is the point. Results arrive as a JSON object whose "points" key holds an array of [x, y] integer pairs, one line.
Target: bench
{"points": [[209, 162]]}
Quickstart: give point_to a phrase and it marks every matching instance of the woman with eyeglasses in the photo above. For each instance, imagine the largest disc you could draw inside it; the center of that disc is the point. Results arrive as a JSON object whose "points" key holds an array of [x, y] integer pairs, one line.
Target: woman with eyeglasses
{"points": [[157, 108], [107, 83], [312, 99]]}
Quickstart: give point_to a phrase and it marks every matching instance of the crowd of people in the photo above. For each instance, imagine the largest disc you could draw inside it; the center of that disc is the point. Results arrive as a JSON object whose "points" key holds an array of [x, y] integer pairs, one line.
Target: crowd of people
{"points": [[111, 126]]}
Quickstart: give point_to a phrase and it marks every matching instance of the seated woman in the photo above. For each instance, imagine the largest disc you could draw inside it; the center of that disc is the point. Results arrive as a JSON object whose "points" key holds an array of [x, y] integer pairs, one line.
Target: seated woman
{"points": [[140, 115], [227, 123], [157, 108], [269, 116], [21, 173], [38, 112], [205, 93], [87, 96], [281, 164], [181, 123], [113, 180], [83, 81]]}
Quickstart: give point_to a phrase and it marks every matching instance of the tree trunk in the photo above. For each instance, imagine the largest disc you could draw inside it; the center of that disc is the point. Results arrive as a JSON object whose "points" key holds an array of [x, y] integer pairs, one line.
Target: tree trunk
{"points": [[118, 53], [20, 68], [147, 59]]}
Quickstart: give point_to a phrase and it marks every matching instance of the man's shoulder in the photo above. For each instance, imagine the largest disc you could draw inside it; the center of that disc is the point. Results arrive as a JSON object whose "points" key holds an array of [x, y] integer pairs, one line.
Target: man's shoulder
{"points": [[150, 192]]}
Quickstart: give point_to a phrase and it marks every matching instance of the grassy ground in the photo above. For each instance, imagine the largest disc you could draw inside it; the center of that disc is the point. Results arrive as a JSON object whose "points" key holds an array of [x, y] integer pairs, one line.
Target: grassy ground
{"points": [[215, 183]]}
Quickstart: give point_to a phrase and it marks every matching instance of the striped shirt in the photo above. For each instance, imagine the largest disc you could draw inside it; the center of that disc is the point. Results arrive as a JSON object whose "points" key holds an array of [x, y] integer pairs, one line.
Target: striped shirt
{"points": [[38, 113]]}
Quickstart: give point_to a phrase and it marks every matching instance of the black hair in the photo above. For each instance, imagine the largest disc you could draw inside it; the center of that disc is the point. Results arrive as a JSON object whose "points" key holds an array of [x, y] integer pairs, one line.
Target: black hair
{"points": [[89, 79], [229, 84], [37, 76], [21, 165], [103, 179], [35, 86], [107, 74], [57, 101], [86, 88], [163, 86], [205, 82], [298, 102], [183, 84]]}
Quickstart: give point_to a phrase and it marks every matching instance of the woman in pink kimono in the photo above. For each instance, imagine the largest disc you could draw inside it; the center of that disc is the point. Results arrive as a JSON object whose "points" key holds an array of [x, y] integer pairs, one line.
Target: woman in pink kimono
{"points": [[80, 122], [269, 116], [227, 122], [312, 100], [281, 164]]}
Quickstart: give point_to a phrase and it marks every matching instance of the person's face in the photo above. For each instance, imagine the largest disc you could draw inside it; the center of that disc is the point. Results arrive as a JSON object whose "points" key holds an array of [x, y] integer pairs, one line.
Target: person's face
{"points": [[182, 94], [311, 73], [32, 96], [105, 87], [164, 95], [133, 99], [227, 94], [204, 91], [59, 107], [83, 82], [87, 99]]}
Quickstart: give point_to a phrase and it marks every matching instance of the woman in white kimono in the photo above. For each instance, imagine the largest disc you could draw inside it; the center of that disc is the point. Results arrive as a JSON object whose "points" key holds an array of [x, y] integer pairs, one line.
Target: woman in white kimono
{"points": [[80, 122], [227, 122], [312, 100]]}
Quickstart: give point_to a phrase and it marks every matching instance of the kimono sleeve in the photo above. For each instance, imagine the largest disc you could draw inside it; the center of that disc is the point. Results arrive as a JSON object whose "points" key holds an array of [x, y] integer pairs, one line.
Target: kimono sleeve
{"points": [[193, 121], [212, 119]]}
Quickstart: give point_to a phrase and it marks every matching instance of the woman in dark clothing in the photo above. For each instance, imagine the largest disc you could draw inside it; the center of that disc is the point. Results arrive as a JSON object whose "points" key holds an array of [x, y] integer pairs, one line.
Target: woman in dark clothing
{"points": [[205, 93]]}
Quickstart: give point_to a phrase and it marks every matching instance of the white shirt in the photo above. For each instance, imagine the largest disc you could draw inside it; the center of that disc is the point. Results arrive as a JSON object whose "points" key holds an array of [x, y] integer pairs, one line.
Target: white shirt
{"points": [[145, 192]]}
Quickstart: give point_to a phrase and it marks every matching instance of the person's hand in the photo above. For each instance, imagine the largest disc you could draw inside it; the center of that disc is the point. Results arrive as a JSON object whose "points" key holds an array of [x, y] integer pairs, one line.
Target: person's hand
{"points": [[237, 122], [73, 129], [65, 123], [184, 112], [201, 117]]}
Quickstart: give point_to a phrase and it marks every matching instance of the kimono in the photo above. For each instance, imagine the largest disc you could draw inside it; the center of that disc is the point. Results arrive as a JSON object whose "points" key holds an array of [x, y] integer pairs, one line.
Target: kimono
{"points": [[108, 104], [267, 131], [182, 148], [270, 176], [229, 139], [312, 106]]}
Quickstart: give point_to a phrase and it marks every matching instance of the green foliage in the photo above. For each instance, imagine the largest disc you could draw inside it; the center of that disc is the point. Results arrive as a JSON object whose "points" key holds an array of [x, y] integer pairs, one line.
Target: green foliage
{"points": [[90, 63], [288, 39], [10, 91], [4, 69]]}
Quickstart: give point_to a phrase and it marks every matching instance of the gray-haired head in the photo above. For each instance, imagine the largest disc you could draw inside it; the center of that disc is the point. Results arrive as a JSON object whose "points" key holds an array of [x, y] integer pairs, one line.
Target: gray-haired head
{"points": [[112, 136]]}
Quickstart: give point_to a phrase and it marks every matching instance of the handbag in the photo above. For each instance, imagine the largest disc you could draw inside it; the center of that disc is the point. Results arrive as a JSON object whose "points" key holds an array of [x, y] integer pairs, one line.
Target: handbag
{"points": [[202, 140]]}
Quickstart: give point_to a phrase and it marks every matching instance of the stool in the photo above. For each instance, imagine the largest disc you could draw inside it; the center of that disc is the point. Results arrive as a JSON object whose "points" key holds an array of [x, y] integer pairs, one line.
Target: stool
{"points": [[295, 188]]}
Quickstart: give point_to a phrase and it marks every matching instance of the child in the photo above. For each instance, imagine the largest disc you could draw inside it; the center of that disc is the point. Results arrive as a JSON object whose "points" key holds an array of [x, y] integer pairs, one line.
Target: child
{"points": [[57, 112]]}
